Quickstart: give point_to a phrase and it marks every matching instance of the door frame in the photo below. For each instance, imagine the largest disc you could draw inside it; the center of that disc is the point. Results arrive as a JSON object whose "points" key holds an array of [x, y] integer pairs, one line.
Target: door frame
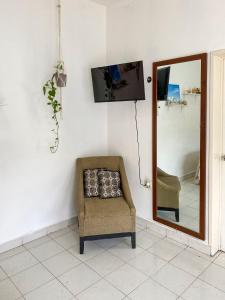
{"points": [[217, 80]]}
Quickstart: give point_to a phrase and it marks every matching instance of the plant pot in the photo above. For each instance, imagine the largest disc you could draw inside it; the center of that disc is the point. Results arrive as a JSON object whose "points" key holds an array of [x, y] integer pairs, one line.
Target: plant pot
{"points": [[61, 79]]}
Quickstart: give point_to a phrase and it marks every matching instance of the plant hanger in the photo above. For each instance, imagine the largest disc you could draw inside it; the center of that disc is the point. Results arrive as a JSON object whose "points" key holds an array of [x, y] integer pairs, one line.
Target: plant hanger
{"points": [[52, 89]]}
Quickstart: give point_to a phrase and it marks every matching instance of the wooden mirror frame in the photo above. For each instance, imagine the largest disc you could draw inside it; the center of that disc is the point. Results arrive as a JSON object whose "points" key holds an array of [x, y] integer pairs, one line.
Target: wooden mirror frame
{"points": [[203, 111]]}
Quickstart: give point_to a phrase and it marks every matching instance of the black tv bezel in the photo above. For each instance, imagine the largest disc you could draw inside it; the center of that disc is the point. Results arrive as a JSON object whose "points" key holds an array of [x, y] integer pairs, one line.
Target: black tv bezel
{"points": [[110, 101], [168, 79]]}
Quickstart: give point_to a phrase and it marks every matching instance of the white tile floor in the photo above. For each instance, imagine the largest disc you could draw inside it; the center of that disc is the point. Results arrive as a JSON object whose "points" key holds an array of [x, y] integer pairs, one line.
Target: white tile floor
{"points": [[189, 206], [51, 268]]}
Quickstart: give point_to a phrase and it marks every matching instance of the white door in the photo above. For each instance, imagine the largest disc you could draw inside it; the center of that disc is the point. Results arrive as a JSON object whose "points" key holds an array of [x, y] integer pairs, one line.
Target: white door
{"points": [[216, 162], [222, 209], [216, 155]]}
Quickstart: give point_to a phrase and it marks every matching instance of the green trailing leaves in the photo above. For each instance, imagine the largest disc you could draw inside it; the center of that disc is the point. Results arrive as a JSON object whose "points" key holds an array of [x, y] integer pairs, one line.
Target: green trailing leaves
{"points": [[50, 90]]}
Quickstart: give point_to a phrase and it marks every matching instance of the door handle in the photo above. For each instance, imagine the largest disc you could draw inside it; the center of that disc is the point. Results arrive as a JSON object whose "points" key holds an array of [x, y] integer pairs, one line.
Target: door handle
{"points": [[223, 157]]}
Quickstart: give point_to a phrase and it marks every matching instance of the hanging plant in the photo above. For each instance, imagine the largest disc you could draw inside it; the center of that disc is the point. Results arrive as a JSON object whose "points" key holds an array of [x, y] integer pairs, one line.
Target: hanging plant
{"points": [[50, 90]]}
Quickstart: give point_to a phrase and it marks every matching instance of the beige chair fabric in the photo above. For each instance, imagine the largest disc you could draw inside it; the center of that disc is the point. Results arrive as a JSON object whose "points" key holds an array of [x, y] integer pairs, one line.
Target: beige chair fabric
{"points": [[104, 216], [168, 189]]}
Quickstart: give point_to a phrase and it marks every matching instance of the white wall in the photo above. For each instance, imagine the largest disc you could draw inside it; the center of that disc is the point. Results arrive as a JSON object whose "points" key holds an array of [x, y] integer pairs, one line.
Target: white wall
{"points": [[154, 30], [187, 75], [37, 187], [178, 127], [178, 137]]}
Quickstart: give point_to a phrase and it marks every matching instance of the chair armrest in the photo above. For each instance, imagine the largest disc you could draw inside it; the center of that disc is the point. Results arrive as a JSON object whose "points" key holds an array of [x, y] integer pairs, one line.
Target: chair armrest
{"points": [[166, 186], [126, 188], [161, 172], [79, 189]]}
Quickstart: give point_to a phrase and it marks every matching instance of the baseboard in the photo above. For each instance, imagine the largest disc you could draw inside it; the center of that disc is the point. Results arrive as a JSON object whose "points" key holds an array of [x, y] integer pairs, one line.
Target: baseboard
{"points": [[36, 234], [175, 235], [161, 229]]}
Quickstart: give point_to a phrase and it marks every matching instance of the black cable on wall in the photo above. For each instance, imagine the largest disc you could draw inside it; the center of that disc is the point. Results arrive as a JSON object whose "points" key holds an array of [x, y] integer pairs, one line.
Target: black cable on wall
{"points": [[146, 184]]}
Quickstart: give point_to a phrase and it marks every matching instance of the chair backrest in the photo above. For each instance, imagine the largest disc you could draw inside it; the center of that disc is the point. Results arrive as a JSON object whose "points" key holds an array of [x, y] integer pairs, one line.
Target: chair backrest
{"points": [[108, 162]]}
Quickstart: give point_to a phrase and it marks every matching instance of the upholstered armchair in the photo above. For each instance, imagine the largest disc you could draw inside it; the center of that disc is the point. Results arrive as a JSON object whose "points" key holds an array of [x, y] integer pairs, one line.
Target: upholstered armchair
{"points": [[104, 218], [168, 189]]}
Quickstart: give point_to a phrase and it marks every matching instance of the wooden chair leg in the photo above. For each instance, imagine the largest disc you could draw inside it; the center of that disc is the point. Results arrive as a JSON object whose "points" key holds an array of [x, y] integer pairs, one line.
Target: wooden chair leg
{"points": [[133, 240], [177, 215], [81, 246]]}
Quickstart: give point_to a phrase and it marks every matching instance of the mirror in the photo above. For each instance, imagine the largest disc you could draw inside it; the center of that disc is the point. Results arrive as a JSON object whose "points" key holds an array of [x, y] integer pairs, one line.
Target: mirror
{"points": [[179, 134]]}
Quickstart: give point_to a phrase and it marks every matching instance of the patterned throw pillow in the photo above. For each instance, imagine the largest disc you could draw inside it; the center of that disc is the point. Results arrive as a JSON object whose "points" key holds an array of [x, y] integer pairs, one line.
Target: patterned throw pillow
{"points": [[91, 186], [109, 184]]}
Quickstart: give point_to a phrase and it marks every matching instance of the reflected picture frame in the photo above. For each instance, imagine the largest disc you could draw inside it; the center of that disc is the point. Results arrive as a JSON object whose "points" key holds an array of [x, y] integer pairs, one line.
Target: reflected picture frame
{"points": [[173, 92]]}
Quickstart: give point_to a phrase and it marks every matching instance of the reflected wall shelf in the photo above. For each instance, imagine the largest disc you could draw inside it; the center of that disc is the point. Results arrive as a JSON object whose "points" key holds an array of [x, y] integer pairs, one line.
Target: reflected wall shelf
{"points": [[191, 94]]}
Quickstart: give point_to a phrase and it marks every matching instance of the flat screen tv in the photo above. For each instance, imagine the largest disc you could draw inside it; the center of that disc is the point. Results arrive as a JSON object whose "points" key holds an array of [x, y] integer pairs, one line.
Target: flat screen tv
{"points": [[122, 82], [163, 77]]}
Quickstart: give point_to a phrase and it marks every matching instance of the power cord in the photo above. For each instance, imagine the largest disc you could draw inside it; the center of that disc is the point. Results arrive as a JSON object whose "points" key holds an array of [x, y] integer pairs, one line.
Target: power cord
{"points": [[147, 183]]}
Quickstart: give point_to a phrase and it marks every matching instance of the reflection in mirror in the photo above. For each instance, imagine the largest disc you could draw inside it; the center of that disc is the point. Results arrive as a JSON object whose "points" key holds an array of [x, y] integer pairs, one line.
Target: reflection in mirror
{"points": [[178, 143]]}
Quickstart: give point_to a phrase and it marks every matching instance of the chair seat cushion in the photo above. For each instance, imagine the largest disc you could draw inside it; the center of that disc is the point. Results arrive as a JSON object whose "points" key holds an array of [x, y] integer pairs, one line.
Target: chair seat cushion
{"points": [[96, 207]]}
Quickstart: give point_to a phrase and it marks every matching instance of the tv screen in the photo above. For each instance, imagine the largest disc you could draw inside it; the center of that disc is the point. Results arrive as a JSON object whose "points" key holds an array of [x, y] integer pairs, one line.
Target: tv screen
{"points": [[163, 77], [123, 82]]}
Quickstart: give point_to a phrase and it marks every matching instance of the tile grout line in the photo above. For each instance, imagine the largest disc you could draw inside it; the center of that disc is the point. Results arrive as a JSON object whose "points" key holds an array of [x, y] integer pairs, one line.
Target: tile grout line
{"points": [[27, 268], [38, 262], [24, 249], [124, 263], [183, 248], [121, 290], [212, 263], [1, 269], [55, 278], [52, 239], [81, 262], [84, 262], [151, 276], [148, 277], [103, 276], [64, 250], [183, 269], [168, 262], [21, 294], [198, 278]]}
